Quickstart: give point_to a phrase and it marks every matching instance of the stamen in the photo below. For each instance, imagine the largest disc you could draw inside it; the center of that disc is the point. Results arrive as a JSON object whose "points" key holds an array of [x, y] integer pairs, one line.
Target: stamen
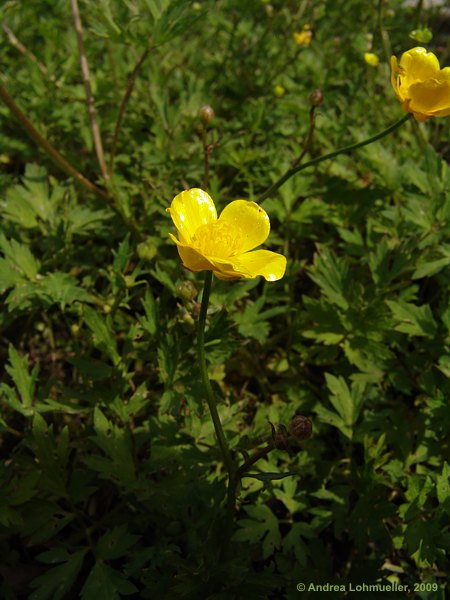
{"points": [[218, 239]]}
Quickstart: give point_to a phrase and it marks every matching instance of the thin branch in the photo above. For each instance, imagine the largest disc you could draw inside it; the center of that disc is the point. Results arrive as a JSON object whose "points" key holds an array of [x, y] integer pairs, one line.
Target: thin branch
{"points": [[96, 136], [123, 106], [47, 147], [17, 44]]}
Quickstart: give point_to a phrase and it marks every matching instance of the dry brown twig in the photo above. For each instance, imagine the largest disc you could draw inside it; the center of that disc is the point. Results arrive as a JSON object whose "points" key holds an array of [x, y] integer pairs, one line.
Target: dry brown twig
{"points": [[96, 136]]}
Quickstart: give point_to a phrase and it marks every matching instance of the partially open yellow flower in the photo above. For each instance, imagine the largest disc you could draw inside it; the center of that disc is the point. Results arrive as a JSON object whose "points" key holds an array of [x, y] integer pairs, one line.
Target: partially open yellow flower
{"points": [[222, 245], [422, 87]]}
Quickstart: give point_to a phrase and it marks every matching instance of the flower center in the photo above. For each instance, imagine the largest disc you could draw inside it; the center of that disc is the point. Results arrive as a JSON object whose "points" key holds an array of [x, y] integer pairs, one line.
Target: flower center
{"points": [[218, 239]]}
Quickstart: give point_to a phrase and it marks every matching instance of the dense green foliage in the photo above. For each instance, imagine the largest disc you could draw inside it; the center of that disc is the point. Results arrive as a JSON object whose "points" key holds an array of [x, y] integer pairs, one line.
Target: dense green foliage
{"points": [[111, 479]]}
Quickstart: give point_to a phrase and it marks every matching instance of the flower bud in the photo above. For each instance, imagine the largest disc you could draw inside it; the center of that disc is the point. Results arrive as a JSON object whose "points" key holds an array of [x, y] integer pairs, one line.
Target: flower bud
{"points": [[129, 281], [146, 250], [422, 35], [300, 427], [206, 113], [316, 97], [371, 59], [279, 91], [186, 290]]}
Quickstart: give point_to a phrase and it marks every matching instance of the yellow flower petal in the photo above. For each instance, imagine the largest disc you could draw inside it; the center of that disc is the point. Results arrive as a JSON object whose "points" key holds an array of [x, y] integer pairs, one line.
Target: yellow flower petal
{"points": [[191, 209], [419, 65], [191, 258], [430, 96], [250, 221], [269, 265]]}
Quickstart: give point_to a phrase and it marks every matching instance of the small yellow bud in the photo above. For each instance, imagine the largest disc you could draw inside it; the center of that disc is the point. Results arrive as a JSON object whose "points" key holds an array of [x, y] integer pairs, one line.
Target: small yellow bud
{"points": [[107, 308], [371, 59], [279, 91], [303, 38]]}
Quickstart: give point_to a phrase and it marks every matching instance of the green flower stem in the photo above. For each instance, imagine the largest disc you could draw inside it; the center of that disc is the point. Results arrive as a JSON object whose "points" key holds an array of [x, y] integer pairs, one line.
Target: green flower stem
{"points": [[226, 455], [290, 172]]}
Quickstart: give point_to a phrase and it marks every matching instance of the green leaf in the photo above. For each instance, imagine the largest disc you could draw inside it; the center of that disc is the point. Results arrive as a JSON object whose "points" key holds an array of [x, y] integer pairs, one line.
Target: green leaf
{"points": [[347, 402], [412, 319], [24, 381], [9, 276], [115, 442], [331, 273], [103, 338], [31, 202], [62, 289], [253, 323], [44, 520], [19, 257], [151, 320], [261, 528], [429, 268], [57, 582], [332, 418], [52, 456], [443, 484], [115, 543], [104, 583]]}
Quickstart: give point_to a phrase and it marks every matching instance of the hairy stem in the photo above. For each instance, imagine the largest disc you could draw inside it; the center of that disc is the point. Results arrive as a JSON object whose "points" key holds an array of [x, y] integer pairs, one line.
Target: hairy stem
{"points": [[226, 455]]}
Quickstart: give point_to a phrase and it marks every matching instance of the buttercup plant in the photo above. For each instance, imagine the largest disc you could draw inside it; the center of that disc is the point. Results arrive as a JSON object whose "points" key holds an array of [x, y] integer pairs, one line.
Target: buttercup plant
{"points": [[224, 246]]}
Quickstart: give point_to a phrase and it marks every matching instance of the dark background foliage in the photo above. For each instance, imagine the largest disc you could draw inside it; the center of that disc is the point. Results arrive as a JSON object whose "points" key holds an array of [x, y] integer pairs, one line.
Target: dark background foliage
{"points": [[111, 477]]}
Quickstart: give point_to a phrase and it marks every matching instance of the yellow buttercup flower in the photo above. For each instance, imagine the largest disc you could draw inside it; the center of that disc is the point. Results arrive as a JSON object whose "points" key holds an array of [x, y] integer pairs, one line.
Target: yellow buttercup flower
{"points": [[421, 86], [303, 38], [371, 59], [223, 245]]}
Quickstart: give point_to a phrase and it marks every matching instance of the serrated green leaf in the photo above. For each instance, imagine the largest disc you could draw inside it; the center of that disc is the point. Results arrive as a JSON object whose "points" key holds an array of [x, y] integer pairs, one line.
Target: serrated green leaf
{"points": [[116, 444], [262, 527], [346, 401], [150, 321], [105, 583], [331, 273], [412, 319], [24, 381], [443, 484], [115, 543], [19, 257], [57, 582], [103, 338], [9, 276]]}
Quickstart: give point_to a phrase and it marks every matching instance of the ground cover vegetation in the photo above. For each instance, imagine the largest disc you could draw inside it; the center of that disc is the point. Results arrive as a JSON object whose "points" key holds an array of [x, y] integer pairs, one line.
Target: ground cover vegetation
{"points": [[113, 474]]}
